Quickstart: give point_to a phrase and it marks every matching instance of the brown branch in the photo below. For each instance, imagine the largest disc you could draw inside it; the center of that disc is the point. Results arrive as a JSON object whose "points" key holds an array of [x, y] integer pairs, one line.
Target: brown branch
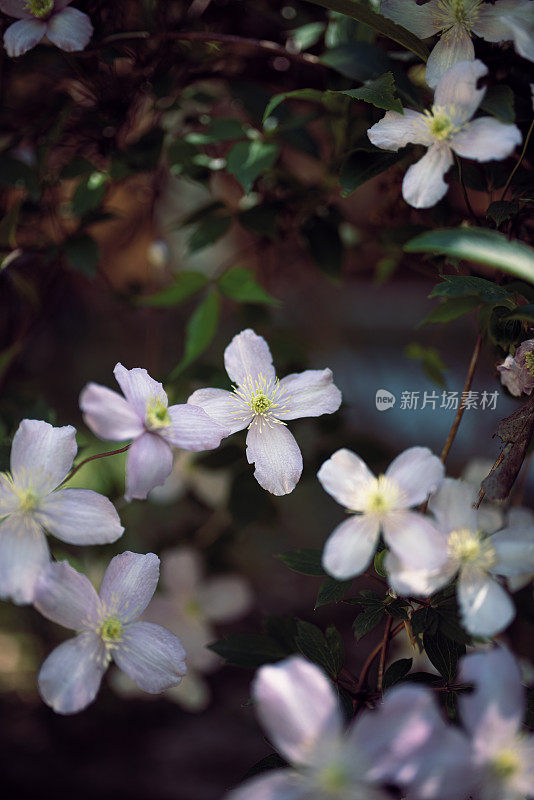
{"points": [[75, 469], [383, 653], [461, 408], [371, 657]]}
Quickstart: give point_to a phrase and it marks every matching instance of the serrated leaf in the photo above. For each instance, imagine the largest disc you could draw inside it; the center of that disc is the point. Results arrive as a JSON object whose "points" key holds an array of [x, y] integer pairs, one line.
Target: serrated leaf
{"points": [[380, 92], [83, 254], [443, 653], [396, 672], [200, 330], [210, 230], [479, 245], [451, 309], [362, 165], [248, 160], [469, 286], [186, 284], [334, 642], [313, 645], [501, 210], [306, 561], [248, 650], [367, 621], [239, 284], [363, 13], [332, 591]]}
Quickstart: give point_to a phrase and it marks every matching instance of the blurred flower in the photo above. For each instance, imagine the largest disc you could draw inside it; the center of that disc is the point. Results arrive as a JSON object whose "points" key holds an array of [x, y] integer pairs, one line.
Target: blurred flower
{"points": [[298, 707], [445, 129], [144, 415], [48, 20], [517, 372], [149, 654], [31, 503], [381, 504], [485, 607], [211, 486], [456, 20], [262, 403]]}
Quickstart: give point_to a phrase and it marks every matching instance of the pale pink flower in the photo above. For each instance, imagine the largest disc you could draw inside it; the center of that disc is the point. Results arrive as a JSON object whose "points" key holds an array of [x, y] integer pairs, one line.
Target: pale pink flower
{"points": [[517, 371], [51, 21]]}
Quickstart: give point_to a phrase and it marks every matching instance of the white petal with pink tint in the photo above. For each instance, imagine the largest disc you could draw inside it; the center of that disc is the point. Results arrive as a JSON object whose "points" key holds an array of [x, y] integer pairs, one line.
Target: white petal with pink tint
{"points": [[70, 30], [224, 407], [418, 472], [307, 394], [345, 476], [424, 185], [148, 464], [350, 547], [192, 429], [109, 415], [248, 357], [80, 516], [129, 584], [21, 36], [151, 656], [71, 675], [23, 554], [42, 455], [276, 455], [67, 597], [138, 388]]}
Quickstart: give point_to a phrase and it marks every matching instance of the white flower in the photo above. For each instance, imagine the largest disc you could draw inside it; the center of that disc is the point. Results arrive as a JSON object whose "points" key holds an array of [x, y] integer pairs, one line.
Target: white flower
{"points": [[486, 608], [445, 129], [381, 504], [517, 371], [262, 403], [456, 20], [50, 21]]}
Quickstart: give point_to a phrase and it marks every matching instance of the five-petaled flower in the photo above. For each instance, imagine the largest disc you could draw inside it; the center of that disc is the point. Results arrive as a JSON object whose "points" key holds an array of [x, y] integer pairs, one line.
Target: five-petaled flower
{"points": [[31, 503], [485, 607], [517, 371], [144, 415], [262, 403], [447, 128], [45, 20], [456, 20], [106, 630], [381, 504]]}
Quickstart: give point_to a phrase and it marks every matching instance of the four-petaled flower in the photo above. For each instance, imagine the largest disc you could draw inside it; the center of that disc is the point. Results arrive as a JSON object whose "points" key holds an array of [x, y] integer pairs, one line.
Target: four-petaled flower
{"points": [[517, 371], [31, 503], [144, 415], [485, 607], [381, 504], [262, 403], [106, 630], [456, 20], [48, 20], [447, 128]]}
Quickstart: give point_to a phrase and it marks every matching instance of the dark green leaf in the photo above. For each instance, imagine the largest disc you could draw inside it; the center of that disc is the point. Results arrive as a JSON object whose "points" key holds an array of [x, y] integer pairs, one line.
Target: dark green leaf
{"points": [[378, 563], [308, 35], [396, 672], [77, 167], [306, 561], [17, 173], [239, 284], [367, 620], [313, 645], [331, 591], [359, 61], [522, 312], [186, 284], [443, 653], [324, 242], [398, 608], [200, 330], [468, 286], [297, 94], [219, 130], [89, 194], [208, 232], [248, 649], [380, 92], [334, 642], [501, 210], [450, 309], [248, 160], [260, 220], [499, 102], [83, 254], [364, 164]]}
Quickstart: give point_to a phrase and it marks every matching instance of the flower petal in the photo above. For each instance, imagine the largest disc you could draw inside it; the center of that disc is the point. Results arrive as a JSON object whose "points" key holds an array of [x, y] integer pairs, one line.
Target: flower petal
{"points": [[452, 506], [307, 394], [486, 608], [276, 784], [23, 35], [129, 584], [423, 185], [507, 20], [458, 88], [80, 516], [248, 357], [345, 477], [276, 455], [192, 429], [151, 656], [224, 407], [297, 706], [138, 388], [396, 130], [455, 46], [407, 580], [15, 8], [70, 30], [486, 139], [225, 598], [71, 675], [149, 464], [67, 597], [421, 20], [418, 472], [515, 551], [9, 500], [42, 455], [415, 540], [109, 415], [350, 547], [23, 554]]}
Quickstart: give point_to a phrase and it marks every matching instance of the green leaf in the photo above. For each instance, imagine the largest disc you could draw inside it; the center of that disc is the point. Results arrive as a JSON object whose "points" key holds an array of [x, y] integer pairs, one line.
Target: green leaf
{"points": [[249, 650], [186, 284], [219, 130], [324, 242], [77, 167], [362, 165], [248, 160], [208, 232], [16, 173], [305, 561], [450, 309], [313, 645], [430, 359], [83, 254], [367, 620], [443, 653], [334, 642], [89, 194], [308, 35], [522, 312], [239, 284], [298, 94], [362, 13], [260, 219], [396, 672], [501, 210], [332, 591], [200, 330], [499, 102], [379, 92], [378, 563], [479, 245], [469, 286]]}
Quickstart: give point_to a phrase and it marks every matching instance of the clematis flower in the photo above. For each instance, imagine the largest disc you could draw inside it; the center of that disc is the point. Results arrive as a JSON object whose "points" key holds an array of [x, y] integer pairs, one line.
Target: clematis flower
{"points": [[485, 607], [493, 715], [262, 403], [517, 371], [381, 505], [298, 708], [51, 21], [457, 20], [144, 415], [107, 629], [446, 129], [31, 504]]}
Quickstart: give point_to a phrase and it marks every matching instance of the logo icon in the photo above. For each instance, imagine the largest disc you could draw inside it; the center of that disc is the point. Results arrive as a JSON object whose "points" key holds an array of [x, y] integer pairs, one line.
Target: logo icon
{"points": [[384, 400]]}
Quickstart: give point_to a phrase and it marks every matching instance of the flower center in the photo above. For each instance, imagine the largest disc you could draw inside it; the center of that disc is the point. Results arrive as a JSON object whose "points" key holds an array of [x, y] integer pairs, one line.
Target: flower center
{"points": [[457, 12], [157, 414], [28, 500], [383, 495], [40, 8], [333, 779], [506, 764], [111, 629], [260, 403], [264, 397], [468, 547], [529, 362]]}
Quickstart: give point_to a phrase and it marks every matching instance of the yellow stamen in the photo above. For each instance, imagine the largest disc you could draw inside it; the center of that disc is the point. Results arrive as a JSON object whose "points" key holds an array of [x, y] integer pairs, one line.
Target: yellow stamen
{"points": [[157, 414], [40, 8]]}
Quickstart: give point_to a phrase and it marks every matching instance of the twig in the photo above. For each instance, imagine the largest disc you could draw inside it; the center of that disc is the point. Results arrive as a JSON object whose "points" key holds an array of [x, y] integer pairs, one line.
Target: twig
{"points": [[521, 157], [75, 469], [469, 207], [371, 657], [461, 408], [383, 652]]}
